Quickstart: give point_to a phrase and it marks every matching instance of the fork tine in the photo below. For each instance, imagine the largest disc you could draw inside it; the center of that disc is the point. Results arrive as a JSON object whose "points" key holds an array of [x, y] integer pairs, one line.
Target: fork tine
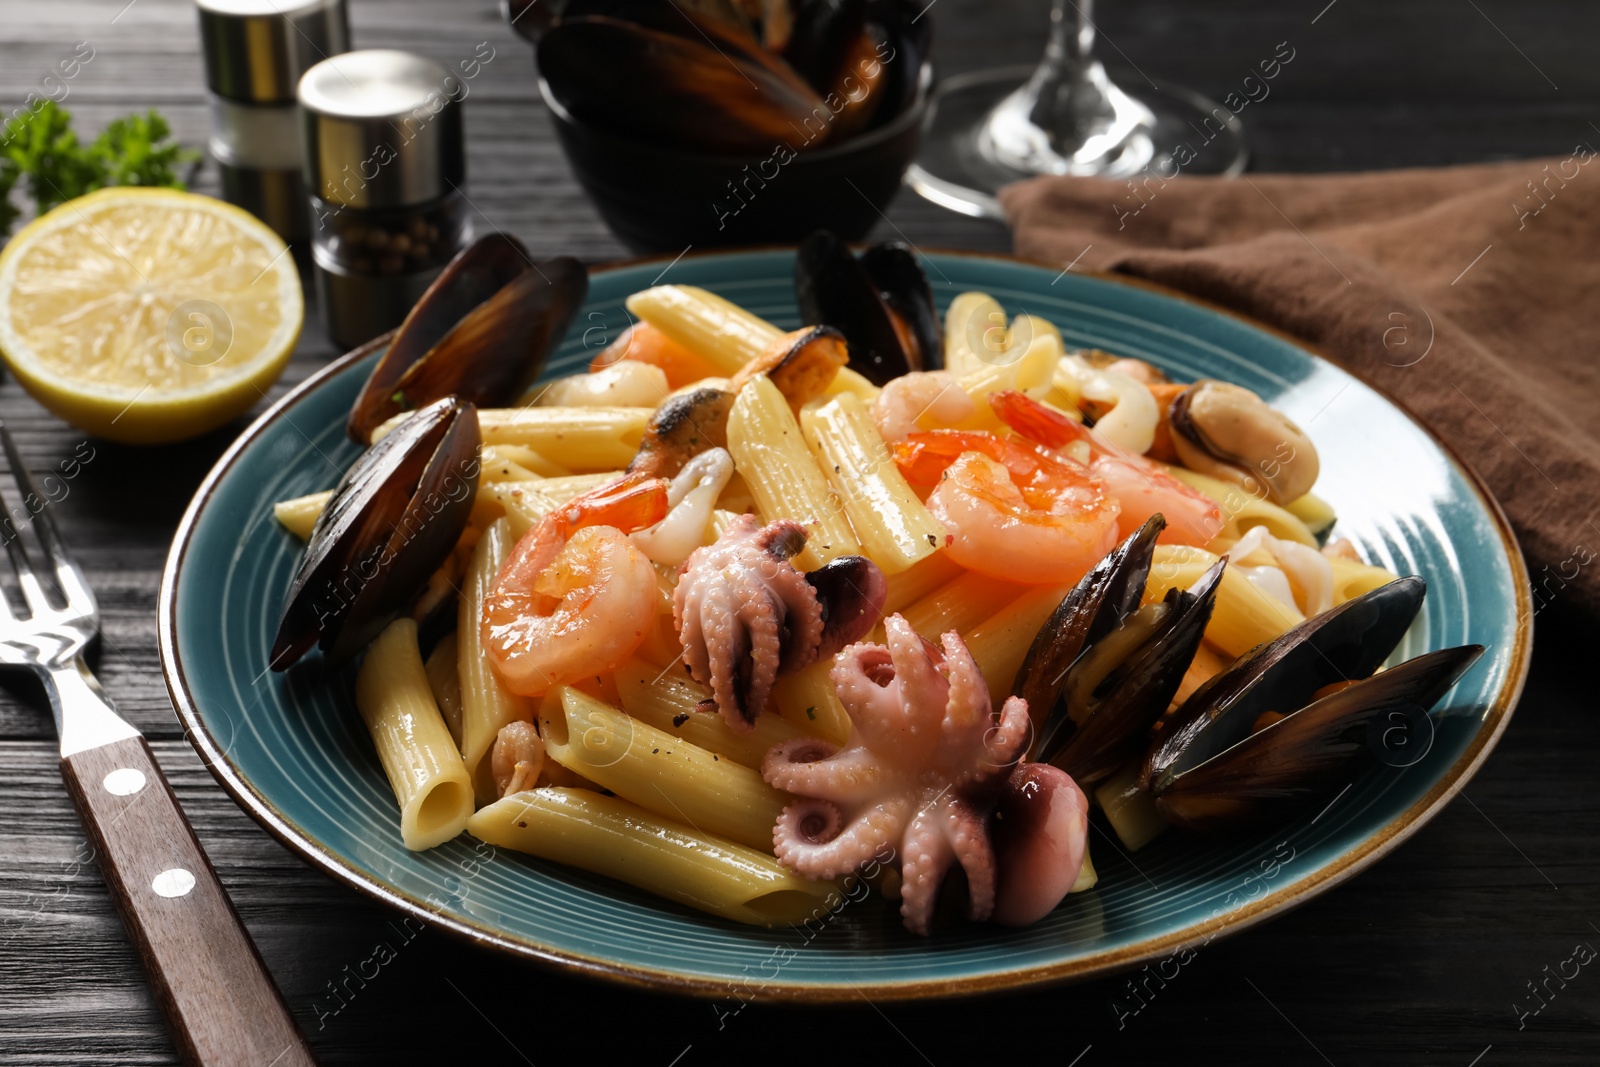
{"points": [[32, 591], [69, 576]]}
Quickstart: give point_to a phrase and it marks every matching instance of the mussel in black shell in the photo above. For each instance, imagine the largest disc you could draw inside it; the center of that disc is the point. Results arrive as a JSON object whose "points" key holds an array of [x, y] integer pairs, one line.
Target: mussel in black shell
{"points": [[1103, 669], [481, 332], [1284, 722], [393, 519], [882, 303]]}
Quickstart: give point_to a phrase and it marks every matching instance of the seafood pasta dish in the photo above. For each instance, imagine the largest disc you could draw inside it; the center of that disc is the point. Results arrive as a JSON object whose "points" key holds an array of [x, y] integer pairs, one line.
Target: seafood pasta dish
{"points": [[742, 617]]}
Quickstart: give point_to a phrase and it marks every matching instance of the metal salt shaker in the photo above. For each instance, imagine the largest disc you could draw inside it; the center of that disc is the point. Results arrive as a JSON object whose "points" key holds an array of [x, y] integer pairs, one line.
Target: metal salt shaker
{"points": [[384, 169], [255, 52]]}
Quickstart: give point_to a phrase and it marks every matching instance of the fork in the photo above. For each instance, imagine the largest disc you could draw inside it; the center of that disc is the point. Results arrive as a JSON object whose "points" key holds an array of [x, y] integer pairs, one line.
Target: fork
{"points": [[207, 975]]}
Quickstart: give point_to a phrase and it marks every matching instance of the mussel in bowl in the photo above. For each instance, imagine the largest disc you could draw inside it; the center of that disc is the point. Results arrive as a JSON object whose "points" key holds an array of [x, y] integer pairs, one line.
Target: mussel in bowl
{"points": [[392, 520]]}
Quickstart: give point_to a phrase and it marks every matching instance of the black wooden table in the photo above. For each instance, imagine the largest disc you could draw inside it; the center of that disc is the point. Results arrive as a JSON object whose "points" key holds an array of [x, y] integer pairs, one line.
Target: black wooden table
{"points": [[1418, 961]]}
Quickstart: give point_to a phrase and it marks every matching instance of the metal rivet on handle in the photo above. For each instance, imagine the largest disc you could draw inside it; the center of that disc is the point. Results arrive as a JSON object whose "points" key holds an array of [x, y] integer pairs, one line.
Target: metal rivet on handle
{"points": [[123, 782], [173, 883]]}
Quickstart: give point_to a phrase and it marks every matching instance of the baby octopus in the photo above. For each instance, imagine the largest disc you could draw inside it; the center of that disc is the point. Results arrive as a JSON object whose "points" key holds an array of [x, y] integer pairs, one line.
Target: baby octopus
{"points": [[924, 765], [745, 614]]}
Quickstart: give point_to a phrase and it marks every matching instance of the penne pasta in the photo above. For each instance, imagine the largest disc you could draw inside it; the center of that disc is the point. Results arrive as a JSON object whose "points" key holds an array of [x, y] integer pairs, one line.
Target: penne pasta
{"points": [[497, 466], [999, 643], [1242, 510], [846, 380], [1317, 514], [670, 701], [895, 529], [657, 770], [444, 679], [1351, 580], [961, 604], [718, 330], [523, 504], [524, 457], [919, 581], [428, 777], [806, 698], [486, 704], [766, 444], [580, 439], [611, 837], [1243, 615], [299, 515]]}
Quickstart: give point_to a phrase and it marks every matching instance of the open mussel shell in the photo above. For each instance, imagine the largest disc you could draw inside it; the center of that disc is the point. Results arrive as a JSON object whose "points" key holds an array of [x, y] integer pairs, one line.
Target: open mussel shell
{"points": [[894, 273], [1271, 771], [1097, 605], [482, 331], [1343, 644], [393, 518], [821, 40], [716, 22], [834, 288], [636, 81], [1114, 694], [476, 273]]}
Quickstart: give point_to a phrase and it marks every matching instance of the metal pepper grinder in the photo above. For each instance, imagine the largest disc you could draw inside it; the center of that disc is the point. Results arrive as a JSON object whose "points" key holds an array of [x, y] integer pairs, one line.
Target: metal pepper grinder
{"points": [[384, 169], [255, 53]]}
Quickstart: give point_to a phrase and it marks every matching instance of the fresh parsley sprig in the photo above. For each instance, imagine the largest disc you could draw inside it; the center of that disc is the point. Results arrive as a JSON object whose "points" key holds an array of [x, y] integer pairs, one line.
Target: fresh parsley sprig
{"points": [[40, 149]]}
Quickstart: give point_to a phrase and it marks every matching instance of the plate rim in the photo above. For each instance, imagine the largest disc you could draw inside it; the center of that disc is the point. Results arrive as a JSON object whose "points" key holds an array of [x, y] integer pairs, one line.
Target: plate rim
{"points": [[664, 980]]}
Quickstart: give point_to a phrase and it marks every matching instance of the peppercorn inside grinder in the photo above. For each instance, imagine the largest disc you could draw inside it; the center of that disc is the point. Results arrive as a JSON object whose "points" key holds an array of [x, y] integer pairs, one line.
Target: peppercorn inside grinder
{"points": [[384, 166], [255, 53]]}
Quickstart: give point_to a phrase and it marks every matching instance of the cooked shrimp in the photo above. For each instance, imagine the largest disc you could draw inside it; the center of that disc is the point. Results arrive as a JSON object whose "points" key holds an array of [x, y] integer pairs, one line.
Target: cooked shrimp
{"points": [[626, 383], [1012, 509], [691, 498], [576, 597], [517, 759], [1141, 488], [901, 405], [643, 343]]}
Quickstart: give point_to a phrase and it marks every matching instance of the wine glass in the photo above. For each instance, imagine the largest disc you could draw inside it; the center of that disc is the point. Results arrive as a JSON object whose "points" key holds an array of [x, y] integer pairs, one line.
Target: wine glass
{"points": [[1066, 116]]}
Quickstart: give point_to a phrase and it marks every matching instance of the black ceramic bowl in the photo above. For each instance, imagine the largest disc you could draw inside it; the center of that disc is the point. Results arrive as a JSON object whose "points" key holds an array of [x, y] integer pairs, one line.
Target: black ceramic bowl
{"points": [[658, 199]]}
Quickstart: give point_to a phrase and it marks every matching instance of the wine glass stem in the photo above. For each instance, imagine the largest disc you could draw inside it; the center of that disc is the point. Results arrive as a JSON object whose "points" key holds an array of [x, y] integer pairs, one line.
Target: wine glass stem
{"points": [[1071, 35]]}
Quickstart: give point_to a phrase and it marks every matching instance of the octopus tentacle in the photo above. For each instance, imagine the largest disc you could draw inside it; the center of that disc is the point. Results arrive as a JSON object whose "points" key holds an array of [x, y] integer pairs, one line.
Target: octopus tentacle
{"points": [[812, 767], [968, 706], [966, 830], [763, 623], [807, 838], [925, 859]]}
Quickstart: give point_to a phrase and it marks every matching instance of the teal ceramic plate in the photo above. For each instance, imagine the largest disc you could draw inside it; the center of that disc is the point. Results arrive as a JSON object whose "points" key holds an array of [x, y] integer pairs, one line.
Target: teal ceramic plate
{"points": [[293, 752]]}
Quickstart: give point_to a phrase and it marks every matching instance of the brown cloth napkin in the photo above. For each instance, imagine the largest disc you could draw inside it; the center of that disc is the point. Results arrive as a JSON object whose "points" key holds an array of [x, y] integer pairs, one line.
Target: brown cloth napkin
{"points": [[1471, 293]]}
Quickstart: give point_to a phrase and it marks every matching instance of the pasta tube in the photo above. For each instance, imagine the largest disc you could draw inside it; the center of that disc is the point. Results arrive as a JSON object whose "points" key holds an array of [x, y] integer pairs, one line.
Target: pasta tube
{"points": [[299, 515], [429, 780], [669, 701], [999, 643], [912, 585], [612, 837], [1351, 580], [580, 439], [1243, 615], [718, 330], [523, 504], [846, 380], [894, 527], [486, 704], [768, 448], [1242, 509], [658, 771], [444, 679], [807, 699], [961, 604]]}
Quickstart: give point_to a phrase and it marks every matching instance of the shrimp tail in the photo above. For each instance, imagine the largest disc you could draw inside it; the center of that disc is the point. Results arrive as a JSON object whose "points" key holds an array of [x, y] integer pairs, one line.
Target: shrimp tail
{"points": [[1038, 422]]}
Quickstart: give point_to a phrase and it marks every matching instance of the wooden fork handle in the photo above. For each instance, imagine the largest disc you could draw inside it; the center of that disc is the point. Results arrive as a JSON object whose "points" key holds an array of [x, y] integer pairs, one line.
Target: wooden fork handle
{"points": [[207, 974]]}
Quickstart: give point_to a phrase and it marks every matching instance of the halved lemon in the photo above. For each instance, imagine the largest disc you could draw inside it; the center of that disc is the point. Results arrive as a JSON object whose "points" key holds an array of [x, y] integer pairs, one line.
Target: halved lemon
{"points": [[147, 315]]}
